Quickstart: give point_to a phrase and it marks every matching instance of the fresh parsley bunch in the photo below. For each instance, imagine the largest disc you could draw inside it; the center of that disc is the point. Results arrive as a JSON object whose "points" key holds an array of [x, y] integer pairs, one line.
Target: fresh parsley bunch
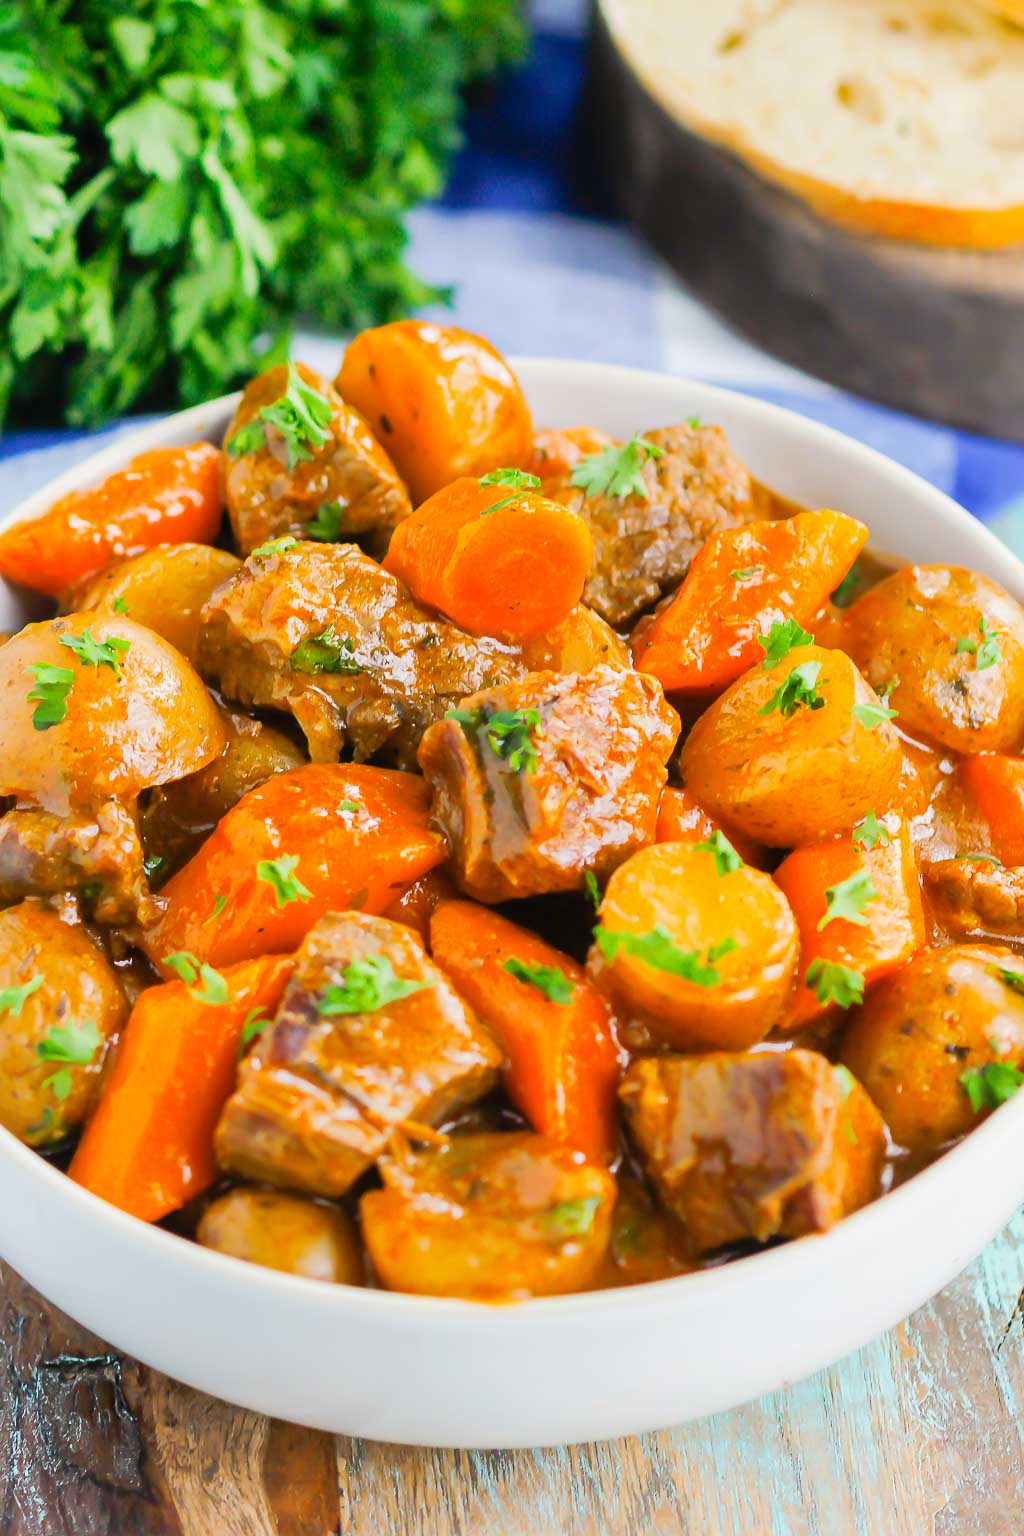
{"points": [[180, 177]]}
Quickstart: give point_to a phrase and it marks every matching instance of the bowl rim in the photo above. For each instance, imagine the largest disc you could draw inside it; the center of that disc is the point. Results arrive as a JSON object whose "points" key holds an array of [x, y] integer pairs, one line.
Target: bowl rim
{"points": [[982, 1145]]}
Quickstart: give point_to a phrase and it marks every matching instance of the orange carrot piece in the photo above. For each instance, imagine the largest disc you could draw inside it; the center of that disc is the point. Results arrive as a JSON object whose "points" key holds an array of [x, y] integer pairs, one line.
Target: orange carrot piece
{"points": [[563, 1057], [357, 835], [995, 783], [557, 449], [739, 584], [167, 496], [149, 1146], [894, 926], [494, 559], [682, 819]]}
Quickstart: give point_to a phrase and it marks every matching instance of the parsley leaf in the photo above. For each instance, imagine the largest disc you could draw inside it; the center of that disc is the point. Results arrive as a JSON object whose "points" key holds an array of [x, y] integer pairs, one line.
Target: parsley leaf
{"points": [[302, 417], [982, 858], [592, 888], [192, 970], [350, 805], [835, 983], [870, 832], [658, 950], [12, 999], [747, 573], [275, 546], [848, 899], [616, 471], [781, 639], [253, 1025], [799, 690], [50, 694], [218, 907], [987, 652], [280, 875], [326, 526], [75, 1043], [120, 606], [367, 985], [871, 716], [325, 652], [97, 653], [988, 1087], [851, 586], [554, 983], [516, 479], [507, 733], [1012, 979], [570, 1218], [727, 860]]}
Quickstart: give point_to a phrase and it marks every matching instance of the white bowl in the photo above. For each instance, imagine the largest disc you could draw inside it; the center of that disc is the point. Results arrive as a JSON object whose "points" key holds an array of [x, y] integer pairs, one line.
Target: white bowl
{"points": [[436, 1372]]}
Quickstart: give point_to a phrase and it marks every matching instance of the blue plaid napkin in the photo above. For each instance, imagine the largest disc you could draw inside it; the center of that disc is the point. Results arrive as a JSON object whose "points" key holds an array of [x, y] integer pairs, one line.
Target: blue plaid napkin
{"points": [[539, 265]]}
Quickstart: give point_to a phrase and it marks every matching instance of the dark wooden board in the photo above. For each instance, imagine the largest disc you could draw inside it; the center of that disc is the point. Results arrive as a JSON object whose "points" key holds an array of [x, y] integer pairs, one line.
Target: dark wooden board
{"points": [[939, 333]]}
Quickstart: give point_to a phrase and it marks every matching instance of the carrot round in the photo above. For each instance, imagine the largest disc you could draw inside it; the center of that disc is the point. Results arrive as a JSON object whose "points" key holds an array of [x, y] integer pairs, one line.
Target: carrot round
{"points": [[166, 496], [315, 840], [871, 923], [682, 819], [696, 945], [740, 583], [149, 1147], [442, 401], [996, 785], [555, 1029], [496, 559]]}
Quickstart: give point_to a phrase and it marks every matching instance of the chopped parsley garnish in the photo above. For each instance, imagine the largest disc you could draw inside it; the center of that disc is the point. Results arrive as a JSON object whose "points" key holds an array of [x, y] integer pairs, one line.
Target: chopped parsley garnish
{"points": [[592, 888], [325, 652], [97, 653], [848, 900], [554, 983], [616, 471], [218, 907], [870, 833], [326, 526], [747, 573], [845, 1082], [781, 639], [365, 986], [798, 691], [71, 1044], [986, 652], [120, 606], [570, 1218], [152, 864], [988, 1087], [275, 546], [50, 694], [727, 860], [349, 805], [280, 875], [302, 415], [658, 950], [507, 733], [12, 999], [850, 586], [192, 971], [982, 858], [515, 479], [253, 1025], [871, 716], [1012, 979], [835, 983], [693, 421]]}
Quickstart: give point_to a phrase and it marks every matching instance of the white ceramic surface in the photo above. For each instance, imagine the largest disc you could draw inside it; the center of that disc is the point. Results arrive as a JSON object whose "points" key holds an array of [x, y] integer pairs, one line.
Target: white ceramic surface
{"points": [[440, 1372]]}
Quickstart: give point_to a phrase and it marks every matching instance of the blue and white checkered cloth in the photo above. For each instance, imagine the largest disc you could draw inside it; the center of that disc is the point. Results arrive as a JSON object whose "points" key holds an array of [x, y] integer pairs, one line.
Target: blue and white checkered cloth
{"points": [[539, 265]]}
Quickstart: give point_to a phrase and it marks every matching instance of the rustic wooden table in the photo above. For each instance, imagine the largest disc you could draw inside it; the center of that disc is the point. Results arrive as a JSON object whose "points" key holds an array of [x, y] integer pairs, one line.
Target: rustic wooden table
{"points": [[918, 1435]]}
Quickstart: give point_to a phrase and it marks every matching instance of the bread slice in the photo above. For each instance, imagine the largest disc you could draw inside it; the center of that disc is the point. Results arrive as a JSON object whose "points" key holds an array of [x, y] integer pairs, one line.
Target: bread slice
{"points": [[897, 117]]}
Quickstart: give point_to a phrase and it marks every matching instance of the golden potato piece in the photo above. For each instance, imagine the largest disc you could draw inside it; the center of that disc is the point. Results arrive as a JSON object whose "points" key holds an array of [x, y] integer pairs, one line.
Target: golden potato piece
{"points": [[164, 589], [284, 1232]]}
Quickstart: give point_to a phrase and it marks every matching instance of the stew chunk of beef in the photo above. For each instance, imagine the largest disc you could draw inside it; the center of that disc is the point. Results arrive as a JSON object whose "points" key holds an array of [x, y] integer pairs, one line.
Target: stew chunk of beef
{"points": [[972, 896], [754, 1146], [643, 544], [324, 633], [370, 1036], [540, 781], [339, 478]]}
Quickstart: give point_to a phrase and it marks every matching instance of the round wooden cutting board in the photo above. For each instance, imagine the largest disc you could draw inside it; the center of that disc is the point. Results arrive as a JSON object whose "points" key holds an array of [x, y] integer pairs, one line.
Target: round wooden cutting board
{"points": [[936, 332]]}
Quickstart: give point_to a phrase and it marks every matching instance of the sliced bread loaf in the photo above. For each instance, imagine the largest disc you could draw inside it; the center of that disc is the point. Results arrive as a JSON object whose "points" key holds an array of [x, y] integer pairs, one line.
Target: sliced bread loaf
{"points": [[899, 117]]}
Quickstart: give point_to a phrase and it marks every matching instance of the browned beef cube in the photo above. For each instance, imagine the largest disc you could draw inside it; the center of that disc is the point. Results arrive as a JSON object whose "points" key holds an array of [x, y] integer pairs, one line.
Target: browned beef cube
{"points": [[318, 1099], [643, 545], [323, 632], [540, 781], [774, 1144]]}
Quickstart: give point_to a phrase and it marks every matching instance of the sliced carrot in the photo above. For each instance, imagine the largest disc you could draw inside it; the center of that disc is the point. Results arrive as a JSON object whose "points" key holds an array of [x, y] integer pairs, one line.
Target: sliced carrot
{"points": [[563, 1059], [996, 785], [893, 926], [358, 836], [740, 583], [494, 559], [149, 1147], [682, 819], [167, 496]]}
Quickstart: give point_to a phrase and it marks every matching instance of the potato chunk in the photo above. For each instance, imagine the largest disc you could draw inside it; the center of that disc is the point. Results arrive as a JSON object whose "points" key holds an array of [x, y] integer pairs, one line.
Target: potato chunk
{"points": [[489, 1218], [285, 1232], [164, 588]]}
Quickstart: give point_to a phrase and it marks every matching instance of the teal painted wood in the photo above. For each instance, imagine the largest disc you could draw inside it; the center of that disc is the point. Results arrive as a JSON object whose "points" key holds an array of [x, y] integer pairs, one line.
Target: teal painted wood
{"points": [[919, 1434]]}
